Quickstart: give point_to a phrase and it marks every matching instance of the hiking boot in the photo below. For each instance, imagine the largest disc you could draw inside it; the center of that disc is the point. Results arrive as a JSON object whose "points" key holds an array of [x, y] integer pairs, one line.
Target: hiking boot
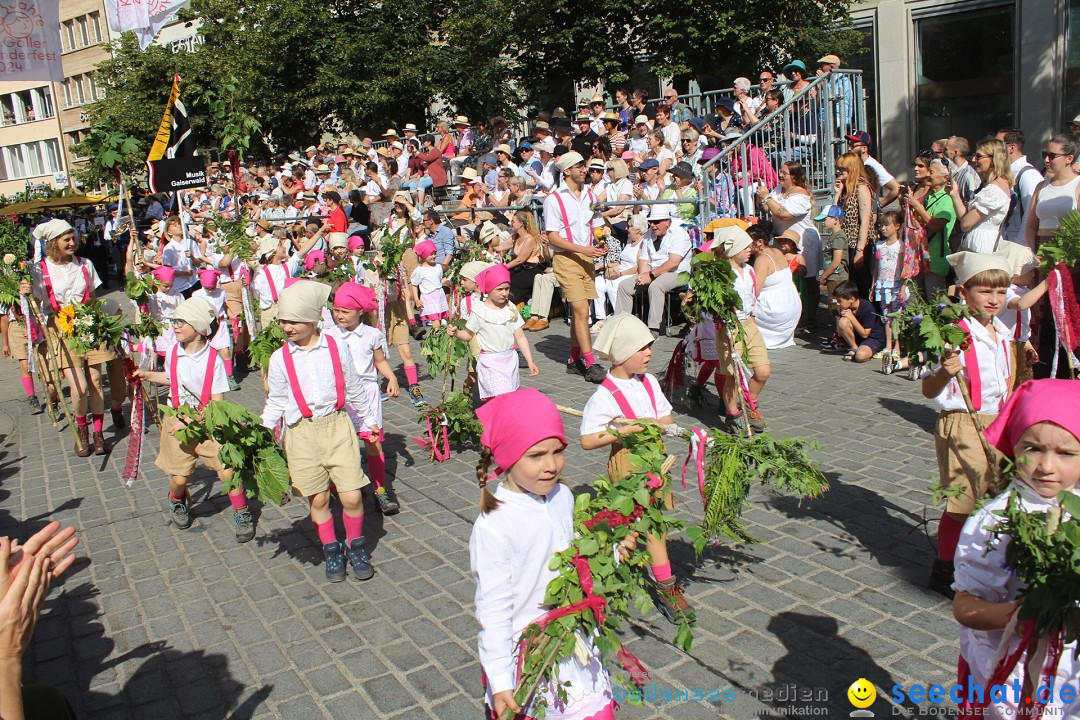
{"points": [[941, 578], [673, 604], [335, 561], [417, 396], [99, 444], [735, 425], [695, 395], [180, 513], [757, 421], [358, 558], [575, 366], [383, 501], [82, 432], [233, 385], [118, 420], [244, 525], [417, 331], [36, 408], [595, 373]]}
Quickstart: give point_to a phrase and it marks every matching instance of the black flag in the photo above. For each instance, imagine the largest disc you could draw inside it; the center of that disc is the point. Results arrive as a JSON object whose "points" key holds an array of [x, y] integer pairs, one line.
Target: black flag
{"points": [[180, 141]]}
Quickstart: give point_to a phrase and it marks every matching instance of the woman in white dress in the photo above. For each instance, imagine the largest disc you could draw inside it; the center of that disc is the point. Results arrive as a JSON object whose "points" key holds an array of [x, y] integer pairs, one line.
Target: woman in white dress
{"points": [[778, 305], [982, 218]]}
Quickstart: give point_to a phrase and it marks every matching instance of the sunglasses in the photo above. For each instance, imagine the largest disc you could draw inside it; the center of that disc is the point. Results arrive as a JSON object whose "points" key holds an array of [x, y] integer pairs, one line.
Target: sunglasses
{"points": [[1051, 155], [979, 156], [765, 79]]}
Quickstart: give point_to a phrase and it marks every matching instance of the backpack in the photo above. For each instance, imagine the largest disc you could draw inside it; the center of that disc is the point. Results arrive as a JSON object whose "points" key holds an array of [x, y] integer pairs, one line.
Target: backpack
{"points": [[1014, 197]]}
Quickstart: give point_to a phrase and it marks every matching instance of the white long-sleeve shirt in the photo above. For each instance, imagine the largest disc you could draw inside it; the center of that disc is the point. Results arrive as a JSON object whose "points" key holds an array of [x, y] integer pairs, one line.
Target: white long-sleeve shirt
{"points": [[315, 372], [509, 551]]}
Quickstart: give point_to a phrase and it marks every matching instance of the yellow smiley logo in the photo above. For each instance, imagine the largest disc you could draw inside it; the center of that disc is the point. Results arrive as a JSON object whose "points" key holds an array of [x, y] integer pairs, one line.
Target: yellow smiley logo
{"points": [[862, 693]]}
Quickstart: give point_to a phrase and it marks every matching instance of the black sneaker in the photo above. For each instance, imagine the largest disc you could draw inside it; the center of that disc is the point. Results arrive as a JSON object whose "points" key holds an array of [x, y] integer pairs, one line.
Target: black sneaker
{"points": [[36, 408], [335, 561], [386, 505], [417, 331], [595, 373], [118, 420], [358, 558], [244, 525], [941, 578], [233, 385], [695, 395], [181, 513], [575, 366], [417, 396]]}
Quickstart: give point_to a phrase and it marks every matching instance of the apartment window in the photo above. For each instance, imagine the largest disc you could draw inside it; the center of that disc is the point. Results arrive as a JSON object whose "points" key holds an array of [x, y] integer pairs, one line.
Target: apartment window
{"points": [[92, 87], [69, 35], [95, 26], [43, 101], [68, 102], [965, 88], [31, 159], [80, 93], [84, 30]]}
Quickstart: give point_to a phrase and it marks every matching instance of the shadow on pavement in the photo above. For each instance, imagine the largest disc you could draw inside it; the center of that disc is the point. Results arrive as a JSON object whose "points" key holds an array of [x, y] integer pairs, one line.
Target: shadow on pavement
{"points": [[918, 415]]}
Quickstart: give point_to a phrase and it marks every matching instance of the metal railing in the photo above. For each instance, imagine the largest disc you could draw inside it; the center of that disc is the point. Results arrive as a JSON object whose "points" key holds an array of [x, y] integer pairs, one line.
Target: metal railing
{"points": [[809, 128]]}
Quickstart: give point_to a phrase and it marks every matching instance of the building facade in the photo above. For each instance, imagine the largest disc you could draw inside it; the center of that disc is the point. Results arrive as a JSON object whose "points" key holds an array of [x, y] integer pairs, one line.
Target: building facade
{"points": [[39, 121], [935, 68]]}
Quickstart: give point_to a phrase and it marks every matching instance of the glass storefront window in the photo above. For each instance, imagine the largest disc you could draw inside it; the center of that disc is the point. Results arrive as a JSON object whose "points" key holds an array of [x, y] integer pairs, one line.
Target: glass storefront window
{"points": [[1072, 65], [866, 60], [965, 78]]}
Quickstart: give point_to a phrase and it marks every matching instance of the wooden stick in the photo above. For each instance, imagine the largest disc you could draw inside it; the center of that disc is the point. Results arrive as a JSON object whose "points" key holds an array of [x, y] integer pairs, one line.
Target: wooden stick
{"points": [[569, 411], [52, 361], [991, 456]]}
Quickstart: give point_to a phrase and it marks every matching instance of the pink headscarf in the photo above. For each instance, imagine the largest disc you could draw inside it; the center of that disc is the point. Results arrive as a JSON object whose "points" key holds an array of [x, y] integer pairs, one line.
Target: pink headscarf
{"points": [[208, 278], [1036, 401], [313, 259], [492, 278], [351, 296], [355, 241], [516, 421], [165, 274], [290, 281], [424, 249]]}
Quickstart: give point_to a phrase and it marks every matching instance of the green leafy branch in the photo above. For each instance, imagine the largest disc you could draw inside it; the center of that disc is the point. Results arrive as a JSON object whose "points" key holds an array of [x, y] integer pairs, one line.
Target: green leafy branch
{"points": [[1064, 246]]}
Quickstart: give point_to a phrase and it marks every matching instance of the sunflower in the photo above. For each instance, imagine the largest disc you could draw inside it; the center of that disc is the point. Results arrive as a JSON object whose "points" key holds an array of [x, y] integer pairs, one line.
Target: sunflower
{"points": [[65, 319]]}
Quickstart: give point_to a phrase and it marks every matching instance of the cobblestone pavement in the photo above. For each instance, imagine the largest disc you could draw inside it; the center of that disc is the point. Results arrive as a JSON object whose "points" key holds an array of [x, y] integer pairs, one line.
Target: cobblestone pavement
{"points": [[154, 622]]}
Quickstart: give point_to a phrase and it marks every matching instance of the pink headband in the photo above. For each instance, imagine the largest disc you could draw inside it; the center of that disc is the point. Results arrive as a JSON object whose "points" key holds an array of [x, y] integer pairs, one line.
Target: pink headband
{"points": [[208, 278], [351, 296], [355, 241], [492, 278], [1034, 402], [424, 249], [516, 421], [165, 274], [313, 259]]}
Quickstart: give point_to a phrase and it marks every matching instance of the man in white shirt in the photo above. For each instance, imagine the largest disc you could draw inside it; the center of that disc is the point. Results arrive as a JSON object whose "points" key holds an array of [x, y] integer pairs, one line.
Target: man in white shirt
{"points": [[859, 143], [1026, 179], [665, 253], [569, 221], [401, 157]]}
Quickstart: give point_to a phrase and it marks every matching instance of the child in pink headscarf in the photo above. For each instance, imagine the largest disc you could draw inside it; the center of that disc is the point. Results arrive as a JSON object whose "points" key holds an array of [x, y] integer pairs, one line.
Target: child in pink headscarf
{"points": [[528, 519], [1039, 427], [222, 340], [427, 285], [497, 325], [163, 304], [353, 303]]}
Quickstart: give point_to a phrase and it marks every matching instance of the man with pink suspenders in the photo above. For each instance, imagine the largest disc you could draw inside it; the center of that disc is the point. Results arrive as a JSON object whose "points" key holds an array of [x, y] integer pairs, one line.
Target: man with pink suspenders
{"points": [[569, 220]]}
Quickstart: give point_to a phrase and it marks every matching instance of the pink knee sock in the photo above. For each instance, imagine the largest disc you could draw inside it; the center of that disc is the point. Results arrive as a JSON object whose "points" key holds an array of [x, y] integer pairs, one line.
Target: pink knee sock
{"points": [[354, 526], [28, 386], [410, 375], [575, 353], [80, 420], [228, 366], [661, 572], [948, 536], [377, 466], [589, 359], [174, 498], [239, 501], [412, 321], [327, 534], [99, 421]]}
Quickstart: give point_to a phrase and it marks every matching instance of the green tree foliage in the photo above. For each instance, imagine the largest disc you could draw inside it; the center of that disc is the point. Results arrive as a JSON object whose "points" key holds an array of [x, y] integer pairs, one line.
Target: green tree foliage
{"points": [[284, 71]]}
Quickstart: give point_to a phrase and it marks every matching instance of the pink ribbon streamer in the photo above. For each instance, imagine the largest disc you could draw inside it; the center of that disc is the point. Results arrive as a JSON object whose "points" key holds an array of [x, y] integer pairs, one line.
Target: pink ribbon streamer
{"points": [[431, 444], [698, 445]]}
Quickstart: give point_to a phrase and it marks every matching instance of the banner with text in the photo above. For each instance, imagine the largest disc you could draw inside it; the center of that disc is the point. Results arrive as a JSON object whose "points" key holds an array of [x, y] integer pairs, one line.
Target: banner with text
{"points": [[30, 40], [174, 174]]}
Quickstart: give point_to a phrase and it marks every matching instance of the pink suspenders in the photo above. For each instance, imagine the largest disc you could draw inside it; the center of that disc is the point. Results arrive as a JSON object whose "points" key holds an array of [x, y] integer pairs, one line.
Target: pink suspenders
{"points": [[294, 381], [270, 282], [566, 218], [624, 404], [971, 364], [47, 281], [208, 379]]}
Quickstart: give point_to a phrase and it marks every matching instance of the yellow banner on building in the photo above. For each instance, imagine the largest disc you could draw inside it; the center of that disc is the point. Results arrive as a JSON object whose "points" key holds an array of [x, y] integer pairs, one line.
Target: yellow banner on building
{"points": [[161, 142]]}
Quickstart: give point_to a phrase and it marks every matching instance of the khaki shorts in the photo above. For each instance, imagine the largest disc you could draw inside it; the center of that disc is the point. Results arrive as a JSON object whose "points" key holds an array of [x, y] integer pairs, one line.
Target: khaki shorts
{"points": [[397, 323], [68, 358], [756, 354], [576, 275], [324, 450], [961, 459], [16, 338], [176, 459], [234, 298]]}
